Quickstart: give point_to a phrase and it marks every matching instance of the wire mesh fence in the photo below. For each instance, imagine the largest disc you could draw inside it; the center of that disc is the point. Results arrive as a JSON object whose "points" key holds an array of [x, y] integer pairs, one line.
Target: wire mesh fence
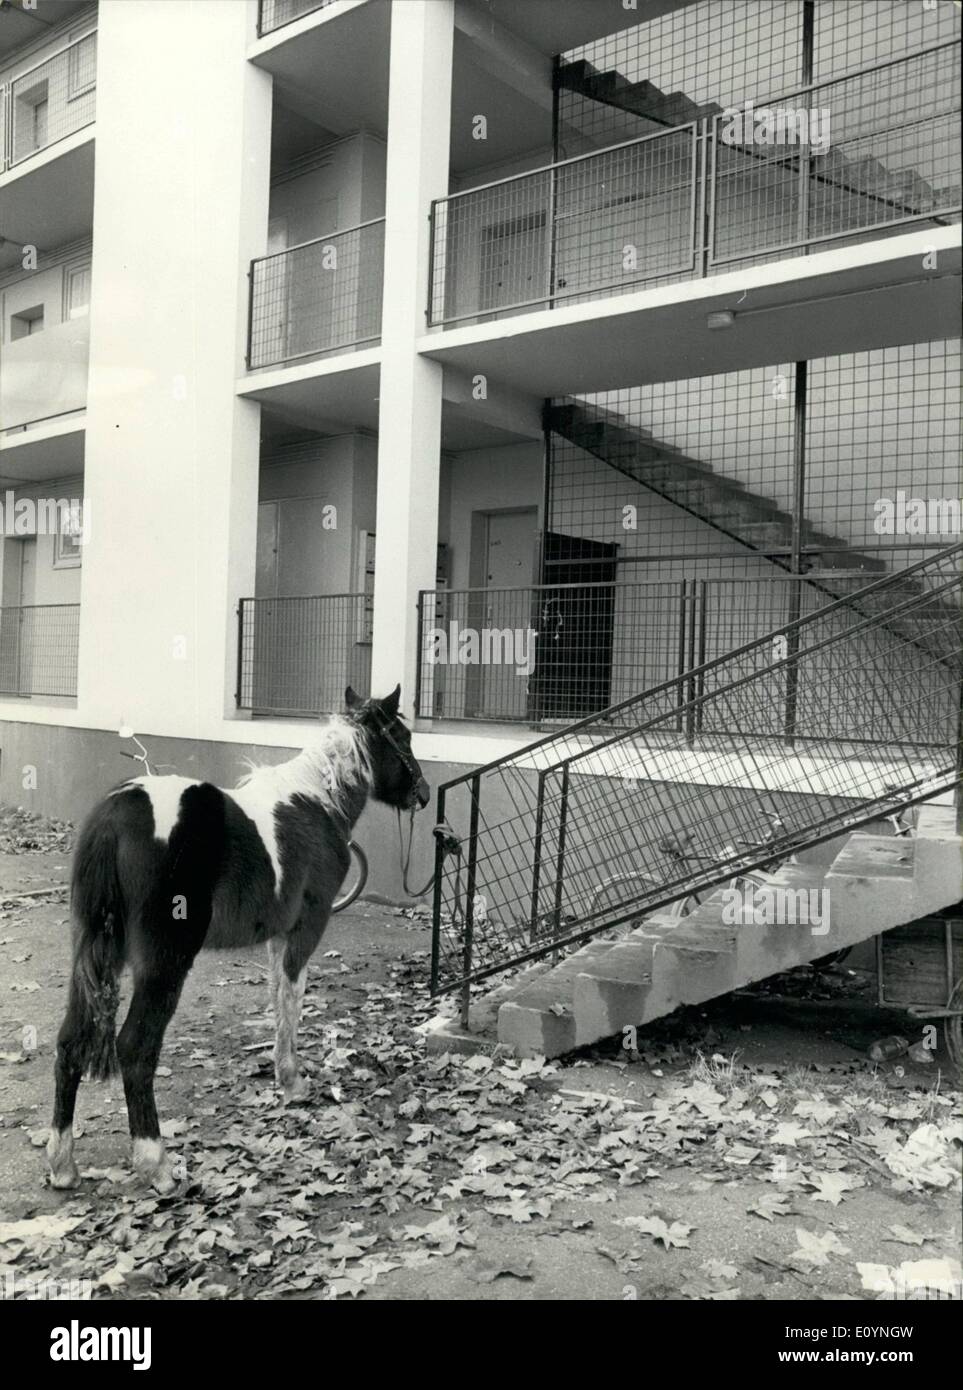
{"points": [[322, 296], [596, 223], [619, 793], [878, 149], [297, 655], [859, 155], [38, 649], [274, 14], [54, 99], [561, 652], [819, 466]]}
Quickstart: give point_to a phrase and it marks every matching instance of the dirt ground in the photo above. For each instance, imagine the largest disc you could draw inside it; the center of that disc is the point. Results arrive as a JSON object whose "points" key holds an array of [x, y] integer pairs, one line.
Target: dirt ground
{"points": [[745, 1151]]}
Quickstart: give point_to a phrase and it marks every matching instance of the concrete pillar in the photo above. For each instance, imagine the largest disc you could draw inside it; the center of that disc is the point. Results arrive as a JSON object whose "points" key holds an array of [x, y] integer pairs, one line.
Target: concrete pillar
{"points": [[181, 205], [409, 420]]}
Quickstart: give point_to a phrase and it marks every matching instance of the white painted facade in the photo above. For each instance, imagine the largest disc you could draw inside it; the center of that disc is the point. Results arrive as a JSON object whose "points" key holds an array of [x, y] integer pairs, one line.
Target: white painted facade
{"points": [[207, 482]]}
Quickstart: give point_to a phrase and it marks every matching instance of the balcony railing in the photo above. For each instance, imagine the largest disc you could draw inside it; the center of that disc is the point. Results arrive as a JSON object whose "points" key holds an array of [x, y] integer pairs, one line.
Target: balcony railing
{"points": [[297, 655], [694, 199], [554, 653], [54, 99], [321, 296], [38, 649], [274, 14]]}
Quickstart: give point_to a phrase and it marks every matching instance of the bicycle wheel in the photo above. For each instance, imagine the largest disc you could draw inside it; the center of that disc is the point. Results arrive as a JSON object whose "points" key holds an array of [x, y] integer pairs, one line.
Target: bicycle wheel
{"points": [[354, 880], [606, 893]]}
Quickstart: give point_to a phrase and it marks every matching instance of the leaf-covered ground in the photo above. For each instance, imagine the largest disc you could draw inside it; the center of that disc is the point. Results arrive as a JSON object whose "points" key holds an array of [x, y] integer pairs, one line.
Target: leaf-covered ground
{"points": [[745, 1151]]}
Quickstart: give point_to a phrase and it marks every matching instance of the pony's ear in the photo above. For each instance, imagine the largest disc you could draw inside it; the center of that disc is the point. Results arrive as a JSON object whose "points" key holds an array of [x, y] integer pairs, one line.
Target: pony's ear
{"points": [[390, 702], [352, 700]]}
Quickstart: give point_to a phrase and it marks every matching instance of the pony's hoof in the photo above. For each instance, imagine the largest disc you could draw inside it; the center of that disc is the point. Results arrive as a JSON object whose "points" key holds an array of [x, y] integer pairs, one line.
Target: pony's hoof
{"points": [[152, 1165], [63, 1170], [163, 1181], [65, 1177], [297, 1090]]}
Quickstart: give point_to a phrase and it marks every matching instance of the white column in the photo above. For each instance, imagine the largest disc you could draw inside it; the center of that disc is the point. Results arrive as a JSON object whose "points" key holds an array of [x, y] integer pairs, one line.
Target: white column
{"points": [[182, 185], [409, 419]]}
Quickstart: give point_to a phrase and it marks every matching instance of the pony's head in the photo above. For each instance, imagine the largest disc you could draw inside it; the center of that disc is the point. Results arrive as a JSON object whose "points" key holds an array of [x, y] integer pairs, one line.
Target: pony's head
{"points": [[396, 776]]}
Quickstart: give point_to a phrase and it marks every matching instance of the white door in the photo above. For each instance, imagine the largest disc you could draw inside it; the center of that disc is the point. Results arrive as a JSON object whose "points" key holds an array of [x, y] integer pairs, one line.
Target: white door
{"points": [[509, 560]]}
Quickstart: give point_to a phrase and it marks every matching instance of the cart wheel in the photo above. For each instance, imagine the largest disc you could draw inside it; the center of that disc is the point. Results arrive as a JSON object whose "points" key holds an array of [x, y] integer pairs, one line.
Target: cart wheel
{"points": [[953, 1028]]}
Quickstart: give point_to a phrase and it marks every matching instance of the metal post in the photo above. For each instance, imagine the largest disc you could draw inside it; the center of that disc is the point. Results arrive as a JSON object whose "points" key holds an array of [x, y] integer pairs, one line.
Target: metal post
{"points": [[553, 187], [436, 898], [806, 166], [690, 689], [419, 661], [680, 664], [537, 852], [795, 557], [240, 654], [560, 863], [466, 955], [250, 314]]}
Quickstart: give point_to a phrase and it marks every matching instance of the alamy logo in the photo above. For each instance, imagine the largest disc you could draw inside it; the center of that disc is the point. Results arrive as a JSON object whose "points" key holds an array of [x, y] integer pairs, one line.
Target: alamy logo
{"points": [[900, 515], [781, 125], [44, 516], [759, 905], [487, 646], [76, 1343]]}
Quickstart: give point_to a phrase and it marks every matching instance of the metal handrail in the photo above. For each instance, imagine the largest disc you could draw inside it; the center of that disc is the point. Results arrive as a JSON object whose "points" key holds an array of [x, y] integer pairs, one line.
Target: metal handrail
{"points": [[564, 163], [317, 240]]}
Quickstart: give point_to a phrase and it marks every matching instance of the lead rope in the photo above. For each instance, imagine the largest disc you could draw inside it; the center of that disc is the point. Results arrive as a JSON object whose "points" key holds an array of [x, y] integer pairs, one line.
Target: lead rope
{"points": [[451, 845]]}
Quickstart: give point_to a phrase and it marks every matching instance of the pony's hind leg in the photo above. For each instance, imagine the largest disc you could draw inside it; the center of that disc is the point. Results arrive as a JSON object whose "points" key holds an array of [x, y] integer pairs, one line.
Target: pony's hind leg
{"points": [[85, 1042], [138, 1048], [288, 959], [71, 1060]]}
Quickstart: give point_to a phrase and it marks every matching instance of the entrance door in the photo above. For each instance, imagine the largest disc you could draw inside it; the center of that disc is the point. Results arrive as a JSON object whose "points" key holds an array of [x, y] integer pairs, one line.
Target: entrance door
{"points": [[504, 551], [573, 673]]}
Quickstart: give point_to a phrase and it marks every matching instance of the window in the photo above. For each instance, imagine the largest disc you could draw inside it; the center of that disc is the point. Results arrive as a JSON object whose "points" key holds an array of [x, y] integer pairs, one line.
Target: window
{"points": [[81, 66], [77, 297], [26, 323]]}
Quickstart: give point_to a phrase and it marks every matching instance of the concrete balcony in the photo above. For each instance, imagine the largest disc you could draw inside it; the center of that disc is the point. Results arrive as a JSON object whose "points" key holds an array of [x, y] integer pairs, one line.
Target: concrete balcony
{"points": [[47, 111], [702, 201], [321, 297]]}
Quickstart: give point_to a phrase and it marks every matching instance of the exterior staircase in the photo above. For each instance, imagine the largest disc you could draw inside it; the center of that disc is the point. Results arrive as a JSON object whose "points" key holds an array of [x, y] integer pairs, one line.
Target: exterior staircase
{"points": [[874, 883], [755, 521], [903, 193], [575, 849]]}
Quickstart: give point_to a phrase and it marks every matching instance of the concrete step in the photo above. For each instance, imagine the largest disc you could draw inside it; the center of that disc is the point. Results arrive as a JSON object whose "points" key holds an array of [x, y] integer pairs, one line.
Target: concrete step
{"points": [[874, 882]]}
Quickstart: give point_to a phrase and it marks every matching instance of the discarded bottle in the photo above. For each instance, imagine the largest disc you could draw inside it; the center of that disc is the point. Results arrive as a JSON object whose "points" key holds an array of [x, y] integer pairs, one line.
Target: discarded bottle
{"points": [[886, 1048]]}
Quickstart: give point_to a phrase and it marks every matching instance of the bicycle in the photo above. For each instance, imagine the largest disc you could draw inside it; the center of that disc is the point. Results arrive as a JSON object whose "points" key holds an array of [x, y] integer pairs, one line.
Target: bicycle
{"points": [[745, 881], [355, 879], [682, 859]]}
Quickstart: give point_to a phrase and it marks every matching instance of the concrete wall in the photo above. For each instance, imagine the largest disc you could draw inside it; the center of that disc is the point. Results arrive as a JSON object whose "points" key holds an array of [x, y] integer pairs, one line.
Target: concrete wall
{"points": [[173, 454], [74, 767], [484, 480], [344, 184]]}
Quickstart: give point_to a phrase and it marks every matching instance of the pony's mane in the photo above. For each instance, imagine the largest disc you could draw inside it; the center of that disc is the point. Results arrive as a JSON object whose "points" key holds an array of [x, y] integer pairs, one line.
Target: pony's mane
{"points": [[330, 768]]}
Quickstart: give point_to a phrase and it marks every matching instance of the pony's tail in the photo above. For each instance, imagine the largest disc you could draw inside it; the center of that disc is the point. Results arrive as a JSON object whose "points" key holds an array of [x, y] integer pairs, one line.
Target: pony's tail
{"points": [[97, 906]]}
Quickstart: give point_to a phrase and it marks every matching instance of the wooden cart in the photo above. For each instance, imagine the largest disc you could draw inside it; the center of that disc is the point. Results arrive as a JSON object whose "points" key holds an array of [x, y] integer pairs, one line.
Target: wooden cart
{"points": [[919, 968]]}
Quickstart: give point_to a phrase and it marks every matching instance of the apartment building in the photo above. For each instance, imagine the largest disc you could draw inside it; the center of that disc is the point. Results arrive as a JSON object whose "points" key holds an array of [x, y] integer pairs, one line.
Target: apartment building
{"points": [[529, 354]]}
